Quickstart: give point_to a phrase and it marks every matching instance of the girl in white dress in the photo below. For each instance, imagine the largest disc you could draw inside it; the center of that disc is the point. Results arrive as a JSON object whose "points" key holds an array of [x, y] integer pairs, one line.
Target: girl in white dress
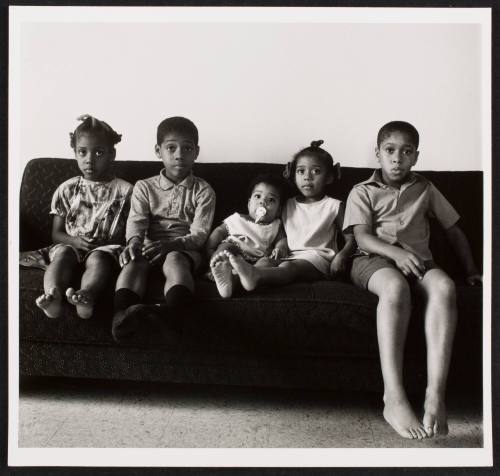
{"points": [[256, 237], [312, 221]]}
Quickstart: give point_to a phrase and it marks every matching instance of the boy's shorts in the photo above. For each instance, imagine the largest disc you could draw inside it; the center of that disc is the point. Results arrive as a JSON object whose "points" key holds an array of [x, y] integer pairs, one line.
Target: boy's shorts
{"points": [[195, 259], [364, 266], [113, 250]]}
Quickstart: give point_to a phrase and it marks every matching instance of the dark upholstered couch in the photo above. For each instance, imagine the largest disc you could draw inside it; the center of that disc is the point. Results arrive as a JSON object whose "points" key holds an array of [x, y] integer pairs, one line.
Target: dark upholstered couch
{"points": [[320, 334]]}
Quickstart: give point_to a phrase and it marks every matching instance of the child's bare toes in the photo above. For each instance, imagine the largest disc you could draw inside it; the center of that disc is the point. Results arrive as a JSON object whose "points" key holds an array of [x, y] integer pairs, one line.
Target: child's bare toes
{"points": [[219, 257], [84, 304], [435, 419], [399, 414], [51, 303], [71, 296], [222, 274], [248, 274]]}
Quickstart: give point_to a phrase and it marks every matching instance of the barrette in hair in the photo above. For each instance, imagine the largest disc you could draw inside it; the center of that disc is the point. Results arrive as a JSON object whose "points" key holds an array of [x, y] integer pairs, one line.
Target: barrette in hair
{"points": [[288, 170]]}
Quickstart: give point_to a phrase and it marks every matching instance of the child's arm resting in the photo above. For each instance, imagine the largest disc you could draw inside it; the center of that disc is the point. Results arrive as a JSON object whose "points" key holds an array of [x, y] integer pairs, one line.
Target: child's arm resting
{"points": [[59, 235], [341, 259], [202, 222], [215, 238], [460, 244], [280, 249], [408, 262]]}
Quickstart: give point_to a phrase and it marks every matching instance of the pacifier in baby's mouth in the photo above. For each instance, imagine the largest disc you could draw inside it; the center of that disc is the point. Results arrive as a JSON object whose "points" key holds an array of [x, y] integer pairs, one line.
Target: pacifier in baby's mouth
{"points": [[260, 213]]}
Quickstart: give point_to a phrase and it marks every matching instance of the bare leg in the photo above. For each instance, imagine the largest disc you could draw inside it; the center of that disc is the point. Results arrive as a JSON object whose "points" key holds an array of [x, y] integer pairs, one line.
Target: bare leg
{"points": [[56, 279], [440, 324], [177, 271], [393, 315], [285, 273], [134, 276], [99, 269]]}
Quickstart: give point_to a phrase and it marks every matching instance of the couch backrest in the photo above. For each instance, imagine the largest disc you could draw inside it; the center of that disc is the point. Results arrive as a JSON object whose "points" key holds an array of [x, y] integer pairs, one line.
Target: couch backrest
{"points": [[230, 182]]}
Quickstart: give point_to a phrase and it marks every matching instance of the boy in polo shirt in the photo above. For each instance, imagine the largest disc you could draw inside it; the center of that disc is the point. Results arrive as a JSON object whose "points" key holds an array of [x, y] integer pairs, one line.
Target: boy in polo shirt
{"points": [[389, 216], [169, 221]]}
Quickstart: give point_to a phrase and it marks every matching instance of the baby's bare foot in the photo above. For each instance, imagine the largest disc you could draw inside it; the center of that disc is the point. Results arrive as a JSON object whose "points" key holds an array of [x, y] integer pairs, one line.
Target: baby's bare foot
{"points": [[222, 274], [83, 301], [51, 303], [435, 419], [248, 274], [399, 414]]}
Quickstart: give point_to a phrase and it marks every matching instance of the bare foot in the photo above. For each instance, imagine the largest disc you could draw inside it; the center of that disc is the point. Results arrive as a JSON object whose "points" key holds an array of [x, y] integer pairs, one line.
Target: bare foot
{"points": [[222, 274], [435, 419], [399, 414], [51, 303], [83, 301], [248, 274]]}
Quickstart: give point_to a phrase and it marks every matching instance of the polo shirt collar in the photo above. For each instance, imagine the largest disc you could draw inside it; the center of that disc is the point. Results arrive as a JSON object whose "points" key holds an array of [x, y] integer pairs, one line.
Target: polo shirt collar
{"points": [[376, 179], [166, 183]]}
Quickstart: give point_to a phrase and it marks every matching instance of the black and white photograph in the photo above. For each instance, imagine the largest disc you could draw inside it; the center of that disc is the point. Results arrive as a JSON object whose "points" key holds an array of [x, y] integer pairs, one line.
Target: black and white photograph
{"points": [[249, 237]]}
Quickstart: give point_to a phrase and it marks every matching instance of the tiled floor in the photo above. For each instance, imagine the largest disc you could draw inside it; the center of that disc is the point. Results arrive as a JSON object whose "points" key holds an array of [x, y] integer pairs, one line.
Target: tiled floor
{"points": [[82, 413]]}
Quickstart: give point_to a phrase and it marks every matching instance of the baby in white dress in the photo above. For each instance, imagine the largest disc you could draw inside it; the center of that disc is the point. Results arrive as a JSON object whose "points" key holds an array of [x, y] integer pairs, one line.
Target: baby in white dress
{"points": [[256, 237]]}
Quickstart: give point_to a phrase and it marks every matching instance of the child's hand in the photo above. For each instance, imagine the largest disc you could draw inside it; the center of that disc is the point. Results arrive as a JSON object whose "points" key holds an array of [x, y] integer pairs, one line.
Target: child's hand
{"points": [[131, 251], [474, 280], [409, 263], [338, 265], [278, 253], [83, 243], [156, 251]]}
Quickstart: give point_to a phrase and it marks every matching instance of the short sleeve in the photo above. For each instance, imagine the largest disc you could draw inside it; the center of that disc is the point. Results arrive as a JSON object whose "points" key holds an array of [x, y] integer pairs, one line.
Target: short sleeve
{"points": [[441, 209], [60, 204], [358, 209]]}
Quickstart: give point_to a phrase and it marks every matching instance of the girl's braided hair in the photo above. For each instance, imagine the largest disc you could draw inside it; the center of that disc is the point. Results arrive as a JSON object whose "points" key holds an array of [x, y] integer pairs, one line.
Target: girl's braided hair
{"points": [[315, 150], [93, 125]]}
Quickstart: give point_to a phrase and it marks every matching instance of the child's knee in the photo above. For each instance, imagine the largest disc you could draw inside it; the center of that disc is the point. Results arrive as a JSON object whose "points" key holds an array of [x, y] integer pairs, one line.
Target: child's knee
{"points": [[176, 262], [66, 253], [443, 287], [99, 260], [396, 290]]}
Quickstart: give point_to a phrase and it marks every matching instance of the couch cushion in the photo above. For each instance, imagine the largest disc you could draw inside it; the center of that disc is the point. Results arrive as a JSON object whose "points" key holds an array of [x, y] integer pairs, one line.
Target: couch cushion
{"points": [[320, 317]]}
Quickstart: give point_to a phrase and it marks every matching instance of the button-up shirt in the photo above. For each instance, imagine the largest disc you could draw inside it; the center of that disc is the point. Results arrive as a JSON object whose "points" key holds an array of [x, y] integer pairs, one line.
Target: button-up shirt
{"points": [[399, 216], [161, 209]]}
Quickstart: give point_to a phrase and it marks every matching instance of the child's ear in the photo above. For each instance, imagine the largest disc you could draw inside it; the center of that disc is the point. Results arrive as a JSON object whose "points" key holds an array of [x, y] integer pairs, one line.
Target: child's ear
{"points": [[157, 151], [377, 154], [416, 157], [197, 152]]}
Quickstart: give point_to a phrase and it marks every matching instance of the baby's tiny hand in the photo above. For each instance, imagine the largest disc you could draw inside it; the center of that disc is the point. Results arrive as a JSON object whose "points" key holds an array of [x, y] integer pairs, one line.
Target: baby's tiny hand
{"points": [[278, 253], [474, 280], [338, 265]]}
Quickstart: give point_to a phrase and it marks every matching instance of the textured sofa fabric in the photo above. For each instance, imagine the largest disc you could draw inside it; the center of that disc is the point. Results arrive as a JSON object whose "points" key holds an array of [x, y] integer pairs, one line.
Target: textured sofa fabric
{"points": [[320, 334]]}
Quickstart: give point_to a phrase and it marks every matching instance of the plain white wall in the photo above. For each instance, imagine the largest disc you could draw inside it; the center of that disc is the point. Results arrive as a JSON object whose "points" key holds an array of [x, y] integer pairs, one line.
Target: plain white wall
{"points": [[257, 91]]}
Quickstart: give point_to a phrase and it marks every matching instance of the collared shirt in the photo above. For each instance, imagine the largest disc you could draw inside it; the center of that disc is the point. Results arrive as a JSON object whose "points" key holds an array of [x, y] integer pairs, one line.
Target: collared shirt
{"points": [[399, 216], [161, 209]]}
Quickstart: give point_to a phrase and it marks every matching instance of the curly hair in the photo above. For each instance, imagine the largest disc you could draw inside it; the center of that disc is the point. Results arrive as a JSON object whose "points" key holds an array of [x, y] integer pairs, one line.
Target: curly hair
{"points": [[177, 124], [398, 126], [92, 125], [314, 150]]}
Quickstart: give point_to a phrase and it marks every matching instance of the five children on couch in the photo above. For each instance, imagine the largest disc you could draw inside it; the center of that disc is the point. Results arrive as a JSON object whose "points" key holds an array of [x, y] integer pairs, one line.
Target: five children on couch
{"points": [[383, 245]]}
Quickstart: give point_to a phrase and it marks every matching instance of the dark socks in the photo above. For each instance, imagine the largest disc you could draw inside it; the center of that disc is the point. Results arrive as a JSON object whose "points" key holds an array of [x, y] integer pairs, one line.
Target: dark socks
{"points": [[130, 316], [178, 296], [122, 326]]}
